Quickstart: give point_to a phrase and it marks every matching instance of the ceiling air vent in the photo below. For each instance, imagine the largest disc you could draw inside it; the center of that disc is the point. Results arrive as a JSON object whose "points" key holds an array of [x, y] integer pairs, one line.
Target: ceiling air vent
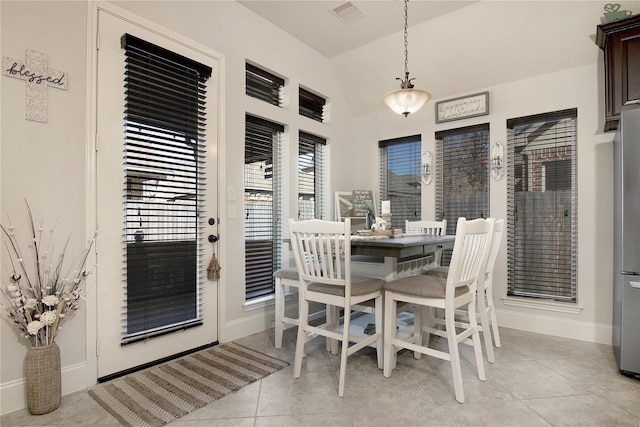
{"points": [[347, 12]]}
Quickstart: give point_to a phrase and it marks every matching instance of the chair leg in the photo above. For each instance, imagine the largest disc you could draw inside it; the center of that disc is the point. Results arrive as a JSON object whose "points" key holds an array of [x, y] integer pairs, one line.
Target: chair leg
{"points": [[492, 317], [429, 316], [345, 351], [475, 336], [454, 354], [280, 307], [301, 340], [486, 327], [378, 322], [420, 317], [390, 323], [332, 320]]}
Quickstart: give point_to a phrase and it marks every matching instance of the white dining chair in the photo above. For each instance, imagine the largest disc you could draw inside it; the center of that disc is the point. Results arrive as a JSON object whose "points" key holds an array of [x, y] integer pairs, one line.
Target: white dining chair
{"points": [[285, 279], [322, 251], [486, 311], [429, 228], [287, 282], [467, 268]]}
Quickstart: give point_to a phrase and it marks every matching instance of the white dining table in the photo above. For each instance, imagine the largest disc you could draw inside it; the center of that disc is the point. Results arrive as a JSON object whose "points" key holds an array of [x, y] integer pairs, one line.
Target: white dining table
{"points": [[397, 249]]}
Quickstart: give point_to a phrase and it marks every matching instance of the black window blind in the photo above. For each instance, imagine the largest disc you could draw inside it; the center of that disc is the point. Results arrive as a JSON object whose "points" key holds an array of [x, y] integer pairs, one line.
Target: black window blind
{"points": [[311, 105], [462, 184], [164, 160], [264, 85], [311, 175], [541, 206], [400, 178], [263, 204]]}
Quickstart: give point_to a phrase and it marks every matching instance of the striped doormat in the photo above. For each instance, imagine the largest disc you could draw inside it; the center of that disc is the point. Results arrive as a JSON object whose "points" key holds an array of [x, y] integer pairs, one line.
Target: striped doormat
{"points": [[163, 393]]}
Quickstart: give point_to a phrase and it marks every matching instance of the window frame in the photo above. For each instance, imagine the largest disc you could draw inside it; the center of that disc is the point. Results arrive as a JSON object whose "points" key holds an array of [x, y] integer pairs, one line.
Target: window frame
{"points": [[263, 255], [307, 142], [390, 184], [457, 160], [530, 175], [312, 105], [264, 85], [478, 168]]}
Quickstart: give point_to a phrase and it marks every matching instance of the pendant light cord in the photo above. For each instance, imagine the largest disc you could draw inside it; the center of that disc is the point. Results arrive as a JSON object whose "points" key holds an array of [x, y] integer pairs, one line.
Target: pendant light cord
{"points": [[406, 38]]}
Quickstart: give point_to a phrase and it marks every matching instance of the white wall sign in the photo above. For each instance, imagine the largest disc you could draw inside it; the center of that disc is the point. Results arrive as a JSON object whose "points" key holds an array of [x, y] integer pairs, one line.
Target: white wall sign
{"points": [[38, 76], [462, 108]]}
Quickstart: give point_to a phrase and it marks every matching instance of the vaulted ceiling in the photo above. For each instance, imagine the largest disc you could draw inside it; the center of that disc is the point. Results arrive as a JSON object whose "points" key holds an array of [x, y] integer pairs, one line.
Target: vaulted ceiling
{"points": [[455, 47], [316, 24]]}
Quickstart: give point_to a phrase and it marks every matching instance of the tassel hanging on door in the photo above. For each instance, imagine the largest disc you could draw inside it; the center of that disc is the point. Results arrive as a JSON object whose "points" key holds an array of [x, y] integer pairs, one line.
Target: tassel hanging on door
{"points": [[213, 270]]}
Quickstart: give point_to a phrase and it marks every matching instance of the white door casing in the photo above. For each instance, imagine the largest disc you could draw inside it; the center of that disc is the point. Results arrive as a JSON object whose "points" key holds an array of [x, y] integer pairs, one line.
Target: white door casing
{"points": [[112, 357]]}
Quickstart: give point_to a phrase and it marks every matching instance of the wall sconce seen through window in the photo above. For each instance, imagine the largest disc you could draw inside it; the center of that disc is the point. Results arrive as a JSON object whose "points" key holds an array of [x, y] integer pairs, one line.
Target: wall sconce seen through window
{"points": [[497, 161]]}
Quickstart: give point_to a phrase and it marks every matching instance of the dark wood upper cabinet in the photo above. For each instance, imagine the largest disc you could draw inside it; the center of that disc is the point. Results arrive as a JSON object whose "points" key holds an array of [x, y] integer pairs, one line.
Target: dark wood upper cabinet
{"points": [[620, 41]]}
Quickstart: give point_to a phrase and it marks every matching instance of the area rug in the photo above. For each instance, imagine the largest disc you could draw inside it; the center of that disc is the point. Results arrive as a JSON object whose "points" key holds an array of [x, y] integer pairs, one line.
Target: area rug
{"points": [[163, 393]]}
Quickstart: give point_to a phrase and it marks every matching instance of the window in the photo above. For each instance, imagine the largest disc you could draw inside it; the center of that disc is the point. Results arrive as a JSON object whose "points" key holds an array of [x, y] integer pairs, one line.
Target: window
{"points": [[263, 204], [462, 184], [311, 173], [400, 178], [263, 85], [312, 105], [541, 203], [164, 160]]}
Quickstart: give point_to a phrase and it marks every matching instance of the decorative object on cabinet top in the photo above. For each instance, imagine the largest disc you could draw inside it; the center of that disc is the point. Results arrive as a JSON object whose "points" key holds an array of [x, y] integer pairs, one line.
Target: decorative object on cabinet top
{"points": [[612, 12]]}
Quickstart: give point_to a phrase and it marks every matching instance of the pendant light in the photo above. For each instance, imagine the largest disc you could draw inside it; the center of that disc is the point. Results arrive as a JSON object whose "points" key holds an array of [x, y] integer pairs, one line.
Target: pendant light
{"points": [[406, 100]]}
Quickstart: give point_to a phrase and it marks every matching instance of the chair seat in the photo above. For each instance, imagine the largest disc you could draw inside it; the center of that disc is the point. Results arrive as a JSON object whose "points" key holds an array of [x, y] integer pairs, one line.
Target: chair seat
{"points": [[360, 285], [287, 273], [442, 271], [422, 286]]}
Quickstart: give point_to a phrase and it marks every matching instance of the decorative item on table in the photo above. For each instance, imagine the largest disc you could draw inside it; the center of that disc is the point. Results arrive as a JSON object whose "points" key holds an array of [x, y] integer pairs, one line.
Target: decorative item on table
{"points": [[384, 228], [380, 224], [43, 290], [386, 210], [612, 12], [369, 220]]}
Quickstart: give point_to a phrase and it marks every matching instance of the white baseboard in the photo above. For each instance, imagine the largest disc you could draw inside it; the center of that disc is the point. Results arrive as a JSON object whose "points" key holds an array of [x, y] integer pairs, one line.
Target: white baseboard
{"points": [[236, 329], [556, 326], [12, 393]]}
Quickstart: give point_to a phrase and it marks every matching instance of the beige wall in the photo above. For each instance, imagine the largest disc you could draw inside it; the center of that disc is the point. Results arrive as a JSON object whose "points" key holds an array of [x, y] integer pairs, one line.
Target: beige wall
{"points": [[45, 162], [49, 162]]}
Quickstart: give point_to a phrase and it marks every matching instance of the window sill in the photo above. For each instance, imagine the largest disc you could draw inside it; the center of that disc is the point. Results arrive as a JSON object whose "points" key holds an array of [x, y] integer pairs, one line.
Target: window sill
{"points": [[559, 307], [259, 303]]}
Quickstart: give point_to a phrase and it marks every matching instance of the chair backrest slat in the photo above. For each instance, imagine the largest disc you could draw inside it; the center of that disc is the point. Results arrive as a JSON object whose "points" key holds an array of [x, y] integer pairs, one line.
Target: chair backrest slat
{"points": [[496, 242], [322, 248], [428, 227], [470, 253]]}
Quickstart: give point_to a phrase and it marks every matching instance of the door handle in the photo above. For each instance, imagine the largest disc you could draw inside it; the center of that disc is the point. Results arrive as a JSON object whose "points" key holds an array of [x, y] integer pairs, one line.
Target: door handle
{"points": [[635, 284], [213, 238]]}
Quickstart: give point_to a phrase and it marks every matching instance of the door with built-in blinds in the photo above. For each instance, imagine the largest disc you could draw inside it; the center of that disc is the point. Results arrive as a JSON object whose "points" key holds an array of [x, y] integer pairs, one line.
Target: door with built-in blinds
{"points": [[156, 196]]}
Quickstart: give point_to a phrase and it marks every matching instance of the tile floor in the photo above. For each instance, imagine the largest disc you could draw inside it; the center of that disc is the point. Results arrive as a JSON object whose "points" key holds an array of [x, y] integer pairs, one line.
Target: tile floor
{"points": [[537, 380]]}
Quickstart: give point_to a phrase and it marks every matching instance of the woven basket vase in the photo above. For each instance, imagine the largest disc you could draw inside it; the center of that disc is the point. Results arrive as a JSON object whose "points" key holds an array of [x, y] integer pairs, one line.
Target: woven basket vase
{"points": [[43, 379]]}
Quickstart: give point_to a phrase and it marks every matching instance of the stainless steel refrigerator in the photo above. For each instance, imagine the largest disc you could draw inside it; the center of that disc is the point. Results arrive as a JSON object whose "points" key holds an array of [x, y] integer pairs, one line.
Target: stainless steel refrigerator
{"points": [[626, 251]]}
